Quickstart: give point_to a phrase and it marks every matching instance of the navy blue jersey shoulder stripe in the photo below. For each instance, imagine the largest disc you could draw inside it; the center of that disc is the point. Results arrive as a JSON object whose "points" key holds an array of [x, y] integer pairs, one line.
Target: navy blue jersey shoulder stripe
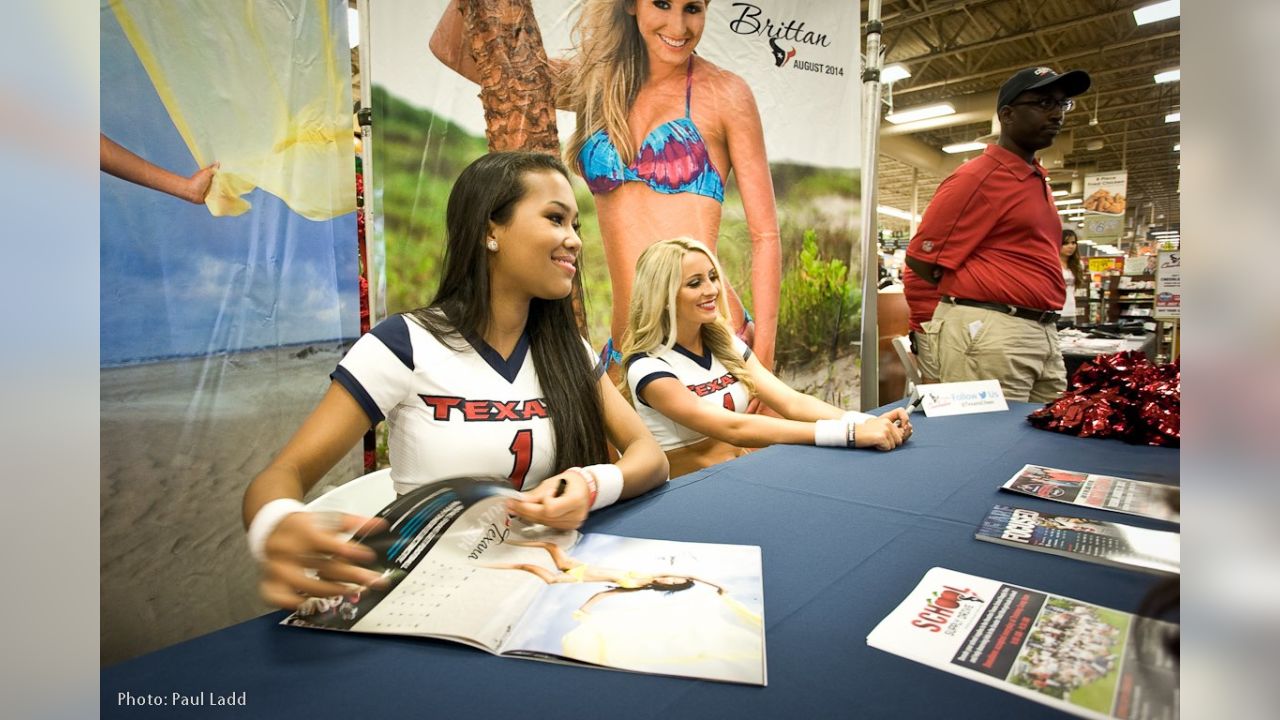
{"points": [[644, 381], [394, 333], [343, 377]]}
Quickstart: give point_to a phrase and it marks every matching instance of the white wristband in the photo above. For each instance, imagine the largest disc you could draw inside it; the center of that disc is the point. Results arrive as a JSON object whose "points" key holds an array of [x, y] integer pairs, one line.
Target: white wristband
{"points": [[609, 482], [265, 522], [855, 417], [831, 433]]}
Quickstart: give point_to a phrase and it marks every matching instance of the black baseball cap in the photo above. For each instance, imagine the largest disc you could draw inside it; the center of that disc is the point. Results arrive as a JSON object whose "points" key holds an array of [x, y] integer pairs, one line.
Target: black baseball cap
{"points": [[1072, 83]]}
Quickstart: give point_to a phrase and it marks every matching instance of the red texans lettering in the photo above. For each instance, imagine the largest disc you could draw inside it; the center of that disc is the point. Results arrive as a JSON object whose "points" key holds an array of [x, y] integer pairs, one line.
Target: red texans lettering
{"points": [[442, 406], [706, 388]]}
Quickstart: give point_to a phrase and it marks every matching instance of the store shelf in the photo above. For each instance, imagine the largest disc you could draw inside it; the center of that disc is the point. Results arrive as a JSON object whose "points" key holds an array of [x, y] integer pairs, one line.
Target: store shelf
{"points": [[1120, 294]]}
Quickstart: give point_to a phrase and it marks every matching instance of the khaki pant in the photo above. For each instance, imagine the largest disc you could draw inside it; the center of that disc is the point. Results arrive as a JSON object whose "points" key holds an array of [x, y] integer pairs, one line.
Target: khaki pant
{"points": [[966, 343]]}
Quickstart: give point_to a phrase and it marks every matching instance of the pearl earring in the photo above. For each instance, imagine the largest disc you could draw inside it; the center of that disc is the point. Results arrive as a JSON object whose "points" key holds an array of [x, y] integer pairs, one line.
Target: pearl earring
{"points": [[492, 245]]}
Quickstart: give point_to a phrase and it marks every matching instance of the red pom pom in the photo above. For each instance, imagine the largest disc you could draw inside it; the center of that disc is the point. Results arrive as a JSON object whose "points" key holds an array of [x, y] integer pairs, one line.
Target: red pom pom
{"points": [[1123, 396]]}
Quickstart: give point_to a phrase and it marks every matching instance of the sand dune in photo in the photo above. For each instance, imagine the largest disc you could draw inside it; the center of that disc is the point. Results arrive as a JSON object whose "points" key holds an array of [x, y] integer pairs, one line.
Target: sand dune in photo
{"points": [[181, 440]]}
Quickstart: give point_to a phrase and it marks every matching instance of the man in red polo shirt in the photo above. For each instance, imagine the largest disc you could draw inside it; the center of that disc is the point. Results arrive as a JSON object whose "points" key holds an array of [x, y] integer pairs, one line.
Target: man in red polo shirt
{"points": [[989, 241], [922, 298]]}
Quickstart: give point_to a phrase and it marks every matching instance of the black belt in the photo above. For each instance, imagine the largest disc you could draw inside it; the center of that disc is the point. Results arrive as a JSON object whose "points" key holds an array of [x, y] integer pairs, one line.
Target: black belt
{"points": [[1046, 317]]}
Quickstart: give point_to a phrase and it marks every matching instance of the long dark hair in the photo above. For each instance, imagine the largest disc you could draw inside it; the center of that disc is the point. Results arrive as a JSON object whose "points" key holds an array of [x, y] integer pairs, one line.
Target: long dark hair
{"points": [[1073, 260], [488, 190], [665, 588]]}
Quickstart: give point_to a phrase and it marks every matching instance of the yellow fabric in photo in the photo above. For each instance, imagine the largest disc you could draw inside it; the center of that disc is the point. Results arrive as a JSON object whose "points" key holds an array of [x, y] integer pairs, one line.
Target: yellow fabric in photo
{"points": [[263, 88]]}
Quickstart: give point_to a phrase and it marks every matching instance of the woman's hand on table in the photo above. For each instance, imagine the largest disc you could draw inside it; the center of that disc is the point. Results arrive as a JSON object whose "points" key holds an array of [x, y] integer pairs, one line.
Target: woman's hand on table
{"points": [[885, 432]]}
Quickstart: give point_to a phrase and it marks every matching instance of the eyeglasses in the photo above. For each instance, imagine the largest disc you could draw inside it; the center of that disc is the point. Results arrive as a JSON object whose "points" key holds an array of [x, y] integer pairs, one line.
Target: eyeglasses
{"points": [[1047, 104]]}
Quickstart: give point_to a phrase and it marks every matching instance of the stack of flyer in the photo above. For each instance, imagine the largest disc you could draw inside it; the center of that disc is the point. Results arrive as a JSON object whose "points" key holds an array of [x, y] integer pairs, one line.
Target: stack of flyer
{"points": [[1104, 492], [1097, 541], [1085, 538], [1084, 659]]}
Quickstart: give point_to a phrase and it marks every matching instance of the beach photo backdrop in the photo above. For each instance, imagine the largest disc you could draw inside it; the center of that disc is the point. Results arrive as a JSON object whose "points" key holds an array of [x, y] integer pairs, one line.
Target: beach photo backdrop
{"points": [[220, 320], [800, 60]]}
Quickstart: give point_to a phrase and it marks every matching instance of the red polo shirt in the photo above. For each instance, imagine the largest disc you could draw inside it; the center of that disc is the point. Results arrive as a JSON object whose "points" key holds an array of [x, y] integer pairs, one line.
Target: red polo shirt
{"points": [[993, 226], [922, 298]]}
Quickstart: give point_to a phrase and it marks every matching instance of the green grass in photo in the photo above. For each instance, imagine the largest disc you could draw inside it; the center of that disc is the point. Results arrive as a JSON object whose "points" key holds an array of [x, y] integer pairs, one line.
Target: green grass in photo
{"points": [[1099, 694]]}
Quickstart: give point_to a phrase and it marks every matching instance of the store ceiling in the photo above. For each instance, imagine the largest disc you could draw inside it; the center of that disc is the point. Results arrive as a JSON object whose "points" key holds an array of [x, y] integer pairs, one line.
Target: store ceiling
{"points": [[964, 50]]}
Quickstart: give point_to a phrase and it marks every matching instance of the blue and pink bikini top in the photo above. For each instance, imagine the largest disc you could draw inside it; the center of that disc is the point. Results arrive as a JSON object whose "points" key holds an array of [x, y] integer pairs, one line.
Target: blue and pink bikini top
{"points": [[672, 159]]}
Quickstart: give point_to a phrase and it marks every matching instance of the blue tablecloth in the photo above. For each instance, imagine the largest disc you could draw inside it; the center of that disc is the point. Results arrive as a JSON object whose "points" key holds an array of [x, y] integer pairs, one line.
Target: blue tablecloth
{"points": [[845, 536]]}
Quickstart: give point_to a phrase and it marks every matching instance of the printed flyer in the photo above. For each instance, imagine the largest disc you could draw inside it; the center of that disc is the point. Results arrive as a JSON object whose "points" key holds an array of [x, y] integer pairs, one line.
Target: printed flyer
{"points": [[1108, 543], [1105, 492], [1080, 658]]}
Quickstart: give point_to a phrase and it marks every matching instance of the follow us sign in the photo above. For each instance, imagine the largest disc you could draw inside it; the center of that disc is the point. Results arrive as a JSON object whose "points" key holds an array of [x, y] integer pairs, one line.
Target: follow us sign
{"points": [[962, 398]]}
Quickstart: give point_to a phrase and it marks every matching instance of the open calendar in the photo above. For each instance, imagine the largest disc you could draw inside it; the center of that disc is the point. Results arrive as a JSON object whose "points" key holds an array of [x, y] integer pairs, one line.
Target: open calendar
{"points": [[459, 568]]}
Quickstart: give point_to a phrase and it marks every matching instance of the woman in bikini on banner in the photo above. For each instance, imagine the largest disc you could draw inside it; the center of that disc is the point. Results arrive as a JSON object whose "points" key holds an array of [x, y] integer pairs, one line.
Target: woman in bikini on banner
{"points": [[659, 130]]}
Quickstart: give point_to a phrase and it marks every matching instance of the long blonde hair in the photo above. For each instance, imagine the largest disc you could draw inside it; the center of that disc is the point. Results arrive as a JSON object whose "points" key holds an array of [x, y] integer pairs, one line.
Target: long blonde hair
{"points": [[651, 319], [602, 81]]}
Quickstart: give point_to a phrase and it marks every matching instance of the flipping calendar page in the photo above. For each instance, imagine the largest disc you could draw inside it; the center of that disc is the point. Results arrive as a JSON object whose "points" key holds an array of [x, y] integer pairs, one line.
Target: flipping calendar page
{"points": [[1104, 492], [458, 567], [1084, 659]]}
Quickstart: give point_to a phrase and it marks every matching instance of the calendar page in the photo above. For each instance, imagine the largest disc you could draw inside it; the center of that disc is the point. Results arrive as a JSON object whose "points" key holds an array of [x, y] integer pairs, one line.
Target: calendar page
{"points": [[437, 554], [458, 567]]}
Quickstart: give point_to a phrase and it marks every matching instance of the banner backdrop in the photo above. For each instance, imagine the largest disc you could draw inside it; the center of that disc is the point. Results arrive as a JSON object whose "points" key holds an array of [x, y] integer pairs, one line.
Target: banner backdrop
{"points": [[799, 60], [226, 297]]}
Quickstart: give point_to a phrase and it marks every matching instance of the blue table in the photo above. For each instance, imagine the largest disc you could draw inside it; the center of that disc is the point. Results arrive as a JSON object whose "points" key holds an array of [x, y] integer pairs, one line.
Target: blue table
{"points": [[845, 536]]}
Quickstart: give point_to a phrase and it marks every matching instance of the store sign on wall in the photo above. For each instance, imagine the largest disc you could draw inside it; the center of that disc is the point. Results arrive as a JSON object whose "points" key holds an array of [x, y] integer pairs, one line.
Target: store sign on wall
{"points": [[1169, 285], [1104, 206], [1106, 263]]}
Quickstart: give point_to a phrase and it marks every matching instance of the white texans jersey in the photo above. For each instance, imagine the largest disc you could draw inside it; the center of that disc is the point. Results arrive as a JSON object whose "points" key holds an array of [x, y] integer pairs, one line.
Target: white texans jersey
{"points": [[705, 376], [452, 413]]}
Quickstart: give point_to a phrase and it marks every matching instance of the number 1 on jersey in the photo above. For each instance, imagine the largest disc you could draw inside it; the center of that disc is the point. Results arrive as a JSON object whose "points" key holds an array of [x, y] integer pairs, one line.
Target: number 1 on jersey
{"points": [[522, 448]]}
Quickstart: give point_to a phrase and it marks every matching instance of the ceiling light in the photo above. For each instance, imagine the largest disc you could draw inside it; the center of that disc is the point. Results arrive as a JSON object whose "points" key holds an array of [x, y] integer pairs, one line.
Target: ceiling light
{"points": [[1093, 145], [1177, 148], [963, 147], [1168, 76], [1061, 193], [1084, 242], [353, 27], [1072, 201], [922, 112], [1072, 211], [893, 73], [895, 212], [1157, 12], [1173, 117]]}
